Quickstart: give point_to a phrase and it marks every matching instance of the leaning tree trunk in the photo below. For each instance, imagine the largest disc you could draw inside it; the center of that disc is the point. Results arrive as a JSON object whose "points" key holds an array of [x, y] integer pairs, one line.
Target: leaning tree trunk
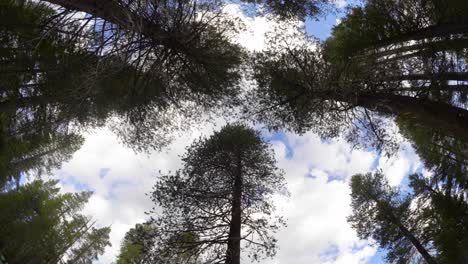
{"points": [[390, 215], [113, 12], [419, 247], [233, 248], [434, 31], [433, 114]]}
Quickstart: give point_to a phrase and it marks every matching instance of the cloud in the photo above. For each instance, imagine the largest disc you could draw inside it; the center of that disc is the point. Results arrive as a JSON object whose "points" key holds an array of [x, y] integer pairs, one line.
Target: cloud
{"points": [[397, 167], [120, 179], [317, 230], [340, 3]]}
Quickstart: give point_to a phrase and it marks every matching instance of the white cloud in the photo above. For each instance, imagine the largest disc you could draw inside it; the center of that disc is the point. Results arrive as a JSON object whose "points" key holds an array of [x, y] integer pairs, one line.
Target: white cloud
{"points": [[119, 199], [340, 3], [254, 37], [318, 206]]}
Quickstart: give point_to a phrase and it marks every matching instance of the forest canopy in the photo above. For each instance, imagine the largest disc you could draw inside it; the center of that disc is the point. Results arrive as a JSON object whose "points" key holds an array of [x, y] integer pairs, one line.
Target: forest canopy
{"points": [[391, 73]]}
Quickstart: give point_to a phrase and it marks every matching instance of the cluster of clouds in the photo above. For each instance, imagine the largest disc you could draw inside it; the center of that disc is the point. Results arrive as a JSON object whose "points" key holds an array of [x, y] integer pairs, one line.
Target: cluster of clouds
{"points": [[317, 173]]}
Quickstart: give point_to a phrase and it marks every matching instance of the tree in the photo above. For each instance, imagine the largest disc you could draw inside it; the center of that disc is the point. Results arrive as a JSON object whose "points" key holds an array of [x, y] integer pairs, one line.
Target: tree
{"points": [[35, 154], [352, 81], [435, 209], [137, 244], [290, 9], [221, 197], [381, 213], [40, 225], [140, 84], [441, 153], [181, 44], [442, 204], [442, 211]]}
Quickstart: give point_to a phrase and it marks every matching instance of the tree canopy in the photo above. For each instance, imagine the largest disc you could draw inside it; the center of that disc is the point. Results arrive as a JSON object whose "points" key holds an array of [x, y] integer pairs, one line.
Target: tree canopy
{"points": [[148, 68], [358, 75], [38, 224], [220, 201]]}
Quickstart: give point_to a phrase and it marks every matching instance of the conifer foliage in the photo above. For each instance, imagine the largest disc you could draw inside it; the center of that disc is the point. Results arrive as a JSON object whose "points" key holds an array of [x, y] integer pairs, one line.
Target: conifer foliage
{"points": [[221, 200]]}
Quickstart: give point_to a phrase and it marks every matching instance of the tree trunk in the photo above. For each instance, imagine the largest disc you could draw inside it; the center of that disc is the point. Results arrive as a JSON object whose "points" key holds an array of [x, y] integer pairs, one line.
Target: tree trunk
{"points": [[388, 209], [445, 76], [233, 248], [442, 30], [462, 88], [433, 46], [427, 257], [113, 12], [439, 115]]}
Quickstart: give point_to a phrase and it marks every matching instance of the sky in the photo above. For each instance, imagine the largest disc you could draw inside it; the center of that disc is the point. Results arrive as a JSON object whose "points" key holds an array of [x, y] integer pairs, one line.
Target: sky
{"points": [[317, 173]]}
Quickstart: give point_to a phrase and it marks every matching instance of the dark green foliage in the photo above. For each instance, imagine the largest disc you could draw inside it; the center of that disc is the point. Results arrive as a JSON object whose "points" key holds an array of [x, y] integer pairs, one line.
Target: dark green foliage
{"points": [[60, 70], [137, 244], [442, 196], [384, 60], [186, 58], [40, 225], [226, 185], [389, 22], [36, 154], [295, 9], [441, 153], [380, 212], [443, 214]]}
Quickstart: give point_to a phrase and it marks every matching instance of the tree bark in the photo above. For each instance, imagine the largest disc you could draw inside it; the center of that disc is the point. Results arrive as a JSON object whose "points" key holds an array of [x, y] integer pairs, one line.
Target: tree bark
{"points": [[433, 114], [233, 248], [113, 12], [387, 208], [445, 76]]}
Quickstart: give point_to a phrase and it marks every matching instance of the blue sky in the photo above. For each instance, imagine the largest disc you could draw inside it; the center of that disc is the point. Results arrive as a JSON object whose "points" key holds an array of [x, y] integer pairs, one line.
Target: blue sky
{"points": [[317, 172]]}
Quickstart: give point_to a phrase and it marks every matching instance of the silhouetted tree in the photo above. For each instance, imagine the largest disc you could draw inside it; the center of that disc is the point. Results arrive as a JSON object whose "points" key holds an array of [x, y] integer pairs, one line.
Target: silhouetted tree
{"points": [[35, 154], [64, 68], [344, 82], [221, 197], [137, 244], [295, 9], [382, 213], [183, 45], [442, 195]]}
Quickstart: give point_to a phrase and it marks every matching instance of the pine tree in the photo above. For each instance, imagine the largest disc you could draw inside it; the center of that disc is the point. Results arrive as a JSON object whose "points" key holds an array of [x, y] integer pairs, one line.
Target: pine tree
{"points": [[38, 224], [372, 66], [382, 213], [220, 202]]}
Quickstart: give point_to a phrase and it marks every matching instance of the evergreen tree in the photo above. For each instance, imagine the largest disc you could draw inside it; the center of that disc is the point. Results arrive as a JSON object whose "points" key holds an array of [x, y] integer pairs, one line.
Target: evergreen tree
{"points": [[36, 155], [40, 225], [382, 213], [294, 9], [442, 203], [137, 244], [221, 197], [364, 72], [143, 83]]}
